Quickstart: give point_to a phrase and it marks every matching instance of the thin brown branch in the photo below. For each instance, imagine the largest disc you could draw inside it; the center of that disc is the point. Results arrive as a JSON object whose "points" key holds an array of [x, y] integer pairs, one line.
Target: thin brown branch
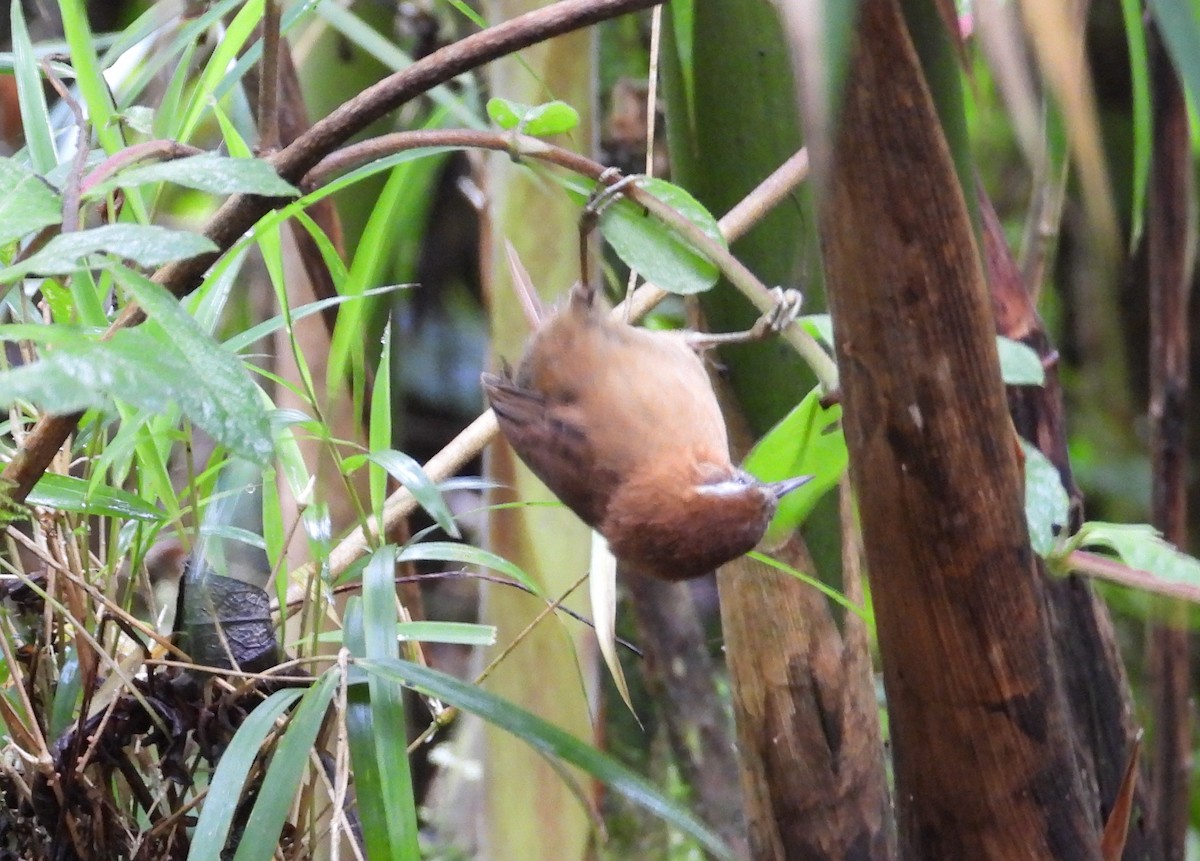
{"points": [[268, 81], [71, 189], [753, 207]]}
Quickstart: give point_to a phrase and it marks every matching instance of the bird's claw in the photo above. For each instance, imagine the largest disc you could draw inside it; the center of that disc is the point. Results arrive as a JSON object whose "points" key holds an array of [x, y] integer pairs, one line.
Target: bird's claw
{"points": [[788, 304]]}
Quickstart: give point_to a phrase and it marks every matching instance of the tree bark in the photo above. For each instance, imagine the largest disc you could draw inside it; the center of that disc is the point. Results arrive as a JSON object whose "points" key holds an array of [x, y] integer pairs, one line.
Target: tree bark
{"points": [[681, 678], [1102, 711], [983, 761], [808, 723], [1170, 240]]}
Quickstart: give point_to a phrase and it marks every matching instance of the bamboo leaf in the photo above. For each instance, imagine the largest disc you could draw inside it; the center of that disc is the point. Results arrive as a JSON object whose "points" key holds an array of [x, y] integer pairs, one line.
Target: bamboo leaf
{"points": [[447, 551], [144, 244], [408, 472], [550, 740], [27, 202], [220, 396], [67, 493], [216, 174], [287, 767], [387, 703], [225, 788]]}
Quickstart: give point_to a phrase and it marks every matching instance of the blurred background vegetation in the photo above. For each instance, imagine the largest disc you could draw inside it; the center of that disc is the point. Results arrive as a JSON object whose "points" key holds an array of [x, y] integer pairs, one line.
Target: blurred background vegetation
{"points": [[398, 370]]}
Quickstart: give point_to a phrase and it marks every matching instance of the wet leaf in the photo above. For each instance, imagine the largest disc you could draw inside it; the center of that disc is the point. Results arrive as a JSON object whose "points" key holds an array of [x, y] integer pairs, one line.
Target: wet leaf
{"points": [[654, 249], [209, 172], [143, 244], [27, 202]]}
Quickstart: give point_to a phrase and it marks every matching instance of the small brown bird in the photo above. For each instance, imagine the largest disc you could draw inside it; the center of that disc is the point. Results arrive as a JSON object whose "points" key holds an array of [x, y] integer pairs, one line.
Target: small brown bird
{"points": [[622, 424]]}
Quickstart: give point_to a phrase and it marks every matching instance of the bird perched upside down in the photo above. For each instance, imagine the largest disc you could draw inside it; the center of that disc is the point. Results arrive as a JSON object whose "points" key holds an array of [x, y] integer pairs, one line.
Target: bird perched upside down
{"points": [[622, 424]]}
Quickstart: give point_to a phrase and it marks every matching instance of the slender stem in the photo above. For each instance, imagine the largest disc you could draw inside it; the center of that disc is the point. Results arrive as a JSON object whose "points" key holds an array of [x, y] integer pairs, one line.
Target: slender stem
{"points": [[268, 80], [1103, 568]]}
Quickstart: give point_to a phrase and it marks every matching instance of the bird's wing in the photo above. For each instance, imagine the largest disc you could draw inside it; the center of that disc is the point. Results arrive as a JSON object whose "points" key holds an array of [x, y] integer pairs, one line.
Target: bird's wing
{"points": [[554, 444]]}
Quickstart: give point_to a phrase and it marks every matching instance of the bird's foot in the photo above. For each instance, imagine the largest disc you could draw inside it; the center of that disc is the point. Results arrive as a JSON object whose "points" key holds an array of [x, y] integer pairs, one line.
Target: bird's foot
{"points": [[787, 308]]}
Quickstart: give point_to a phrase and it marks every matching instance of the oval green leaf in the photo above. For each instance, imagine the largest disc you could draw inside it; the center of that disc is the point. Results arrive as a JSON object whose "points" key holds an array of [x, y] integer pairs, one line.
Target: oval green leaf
{"points": [[551, 118], [1020, 364], [656, 251], [1047, 506]]}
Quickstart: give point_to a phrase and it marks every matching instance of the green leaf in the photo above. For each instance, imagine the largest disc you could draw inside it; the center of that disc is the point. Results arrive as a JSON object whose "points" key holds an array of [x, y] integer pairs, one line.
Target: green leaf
{"points": [[283, 775], [27, 202], [361, 732], [387, 701], [39, 333], [460, 633], [456, 633], [656, 251], [244, 339], [551, 118], [209, 172], [829, 592], [1139, 73], [1020, 364], [1180, 30], [31, 96], [139, 118], [217, 394], [151, 370], [67, 493], [87, 374], [225, 788], [1047, 506], [144, 244], [409, 473], [807, 441], [1140, 546], [66, 694], [549, 740], [238, 31], [820, 326]]}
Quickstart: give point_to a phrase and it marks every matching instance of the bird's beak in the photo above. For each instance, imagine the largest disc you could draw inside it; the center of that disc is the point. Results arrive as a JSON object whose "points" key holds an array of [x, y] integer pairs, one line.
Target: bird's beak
{"points": [[782, 488]]}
